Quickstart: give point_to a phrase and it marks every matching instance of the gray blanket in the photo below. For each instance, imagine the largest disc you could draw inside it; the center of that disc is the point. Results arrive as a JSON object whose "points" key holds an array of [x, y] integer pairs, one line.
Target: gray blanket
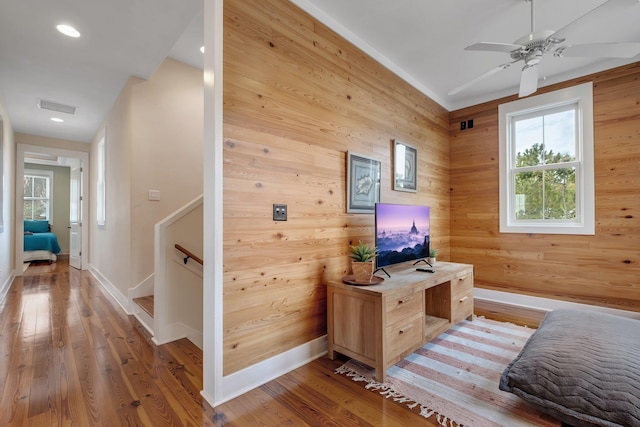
{"points": [[582, 368]]}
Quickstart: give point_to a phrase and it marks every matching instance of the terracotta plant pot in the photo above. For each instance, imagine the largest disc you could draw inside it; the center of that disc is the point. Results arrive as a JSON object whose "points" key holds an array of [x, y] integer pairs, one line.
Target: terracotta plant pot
{"points": [[362, 271]]}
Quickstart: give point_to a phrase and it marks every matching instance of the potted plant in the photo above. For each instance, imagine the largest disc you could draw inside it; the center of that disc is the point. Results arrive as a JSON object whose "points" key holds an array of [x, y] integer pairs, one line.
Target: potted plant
{"points": [[433, 253], [362, 256]]}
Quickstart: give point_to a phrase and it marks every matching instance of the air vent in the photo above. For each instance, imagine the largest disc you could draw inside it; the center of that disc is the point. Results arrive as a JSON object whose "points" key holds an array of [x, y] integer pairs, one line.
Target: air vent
{"points": [[56, 106]]}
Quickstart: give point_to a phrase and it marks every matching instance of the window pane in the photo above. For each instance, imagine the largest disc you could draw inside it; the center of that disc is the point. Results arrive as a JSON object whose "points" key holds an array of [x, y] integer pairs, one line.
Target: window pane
{"points": [[28, 186], [529, 141], [40, 187], [40, 209], [546, 139], [529, 194], [560, 193], [549, 194], [28, 209], [560, 137]]}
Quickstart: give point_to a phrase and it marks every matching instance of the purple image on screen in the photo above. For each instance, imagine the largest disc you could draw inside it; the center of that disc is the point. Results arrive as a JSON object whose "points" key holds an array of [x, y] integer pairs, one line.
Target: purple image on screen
{"points": [[402, 233]]}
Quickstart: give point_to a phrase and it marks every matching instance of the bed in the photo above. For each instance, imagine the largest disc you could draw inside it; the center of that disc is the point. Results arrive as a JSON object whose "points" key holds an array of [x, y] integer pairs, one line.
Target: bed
{"points": [[582, 368], [40, 244]]}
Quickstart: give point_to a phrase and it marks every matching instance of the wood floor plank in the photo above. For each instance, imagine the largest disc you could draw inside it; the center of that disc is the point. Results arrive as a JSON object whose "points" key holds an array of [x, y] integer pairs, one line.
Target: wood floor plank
{"points": [[69, 356]]}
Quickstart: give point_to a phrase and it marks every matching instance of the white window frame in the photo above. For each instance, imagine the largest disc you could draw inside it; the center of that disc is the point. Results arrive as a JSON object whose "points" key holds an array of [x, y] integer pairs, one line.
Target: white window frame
{"points": [[101, 193], [42, 174], [582, 95]]}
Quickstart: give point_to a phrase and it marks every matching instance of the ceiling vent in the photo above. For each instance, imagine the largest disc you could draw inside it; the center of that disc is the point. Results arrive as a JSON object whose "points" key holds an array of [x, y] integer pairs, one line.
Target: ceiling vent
{"points": [[56, 106]]}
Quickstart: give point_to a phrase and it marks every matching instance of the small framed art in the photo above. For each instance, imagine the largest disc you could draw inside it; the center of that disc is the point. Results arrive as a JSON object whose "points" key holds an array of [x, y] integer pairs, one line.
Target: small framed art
{"points": [[405, 167], [363, 183]]}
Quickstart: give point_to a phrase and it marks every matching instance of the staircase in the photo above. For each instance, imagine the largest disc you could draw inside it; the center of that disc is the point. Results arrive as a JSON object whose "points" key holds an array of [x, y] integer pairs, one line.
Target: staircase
{"points": [[168, 303], [145, 303]]}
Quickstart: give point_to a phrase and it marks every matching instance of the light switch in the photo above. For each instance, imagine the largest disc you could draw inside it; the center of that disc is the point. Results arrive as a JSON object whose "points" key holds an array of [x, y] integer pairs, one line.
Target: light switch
{"points": [[154, 195]]}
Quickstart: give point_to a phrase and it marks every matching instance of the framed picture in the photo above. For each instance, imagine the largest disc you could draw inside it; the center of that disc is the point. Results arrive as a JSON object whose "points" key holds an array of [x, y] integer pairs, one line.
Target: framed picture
{"points": [[405, 167], [363, 183]]}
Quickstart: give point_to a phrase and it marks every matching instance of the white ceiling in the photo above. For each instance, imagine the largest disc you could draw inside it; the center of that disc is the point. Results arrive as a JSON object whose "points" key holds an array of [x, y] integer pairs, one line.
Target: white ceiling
{"points": [[422, 41], [120, 38]]}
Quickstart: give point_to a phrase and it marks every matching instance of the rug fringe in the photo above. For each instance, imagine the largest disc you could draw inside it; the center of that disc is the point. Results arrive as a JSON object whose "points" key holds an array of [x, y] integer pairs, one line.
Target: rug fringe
{"points": [[389, 392]]}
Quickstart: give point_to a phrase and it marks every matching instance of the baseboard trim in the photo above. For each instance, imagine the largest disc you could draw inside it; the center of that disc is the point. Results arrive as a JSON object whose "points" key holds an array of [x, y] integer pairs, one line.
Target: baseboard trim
{"points": [[145, 320], [544, 304], [177, 331], [111, 289], [254, 376], [4, 290]]}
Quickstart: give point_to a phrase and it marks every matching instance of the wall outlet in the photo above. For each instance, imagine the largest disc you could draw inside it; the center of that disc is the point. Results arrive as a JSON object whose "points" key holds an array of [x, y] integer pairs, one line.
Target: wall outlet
{"points": [[279, 212], [154, 195]]}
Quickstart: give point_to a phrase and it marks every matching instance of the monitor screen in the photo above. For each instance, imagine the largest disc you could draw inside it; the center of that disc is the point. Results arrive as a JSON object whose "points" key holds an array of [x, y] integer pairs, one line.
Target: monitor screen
{"points": [[402, 233]]}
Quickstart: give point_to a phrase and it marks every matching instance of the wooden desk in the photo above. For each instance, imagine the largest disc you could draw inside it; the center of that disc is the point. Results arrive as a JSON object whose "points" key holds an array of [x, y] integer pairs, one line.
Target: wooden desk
{"points": [[378, 325]]}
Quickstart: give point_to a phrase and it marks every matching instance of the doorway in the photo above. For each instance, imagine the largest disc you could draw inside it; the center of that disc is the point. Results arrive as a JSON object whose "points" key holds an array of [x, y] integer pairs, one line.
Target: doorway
{"points": [[78, 163]]}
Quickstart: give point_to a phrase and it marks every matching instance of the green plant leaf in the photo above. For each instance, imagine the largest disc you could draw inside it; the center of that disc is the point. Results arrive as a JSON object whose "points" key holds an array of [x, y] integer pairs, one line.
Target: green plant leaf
{"points": [[362, 252]]}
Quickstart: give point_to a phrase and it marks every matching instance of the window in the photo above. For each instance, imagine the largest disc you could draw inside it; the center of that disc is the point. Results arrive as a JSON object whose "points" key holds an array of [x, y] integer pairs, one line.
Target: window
{"points": [[101, 187], [546, 163], [37, 194]]}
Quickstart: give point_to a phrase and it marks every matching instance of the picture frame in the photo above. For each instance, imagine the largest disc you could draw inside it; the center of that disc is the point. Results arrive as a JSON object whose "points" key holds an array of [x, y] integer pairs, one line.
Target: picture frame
{"points": [[363, 183], [405, 167]]}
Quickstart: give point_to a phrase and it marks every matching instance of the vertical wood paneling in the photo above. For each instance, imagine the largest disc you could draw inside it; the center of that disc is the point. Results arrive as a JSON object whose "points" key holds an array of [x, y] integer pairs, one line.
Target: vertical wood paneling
{"points": [[297, 97], [603, 269]]}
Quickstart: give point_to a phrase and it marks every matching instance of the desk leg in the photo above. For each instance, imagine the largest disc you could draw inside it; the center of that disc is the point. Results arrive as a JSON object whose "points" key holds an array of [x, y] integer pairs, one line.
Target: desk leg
{"points": [[381, 373]]}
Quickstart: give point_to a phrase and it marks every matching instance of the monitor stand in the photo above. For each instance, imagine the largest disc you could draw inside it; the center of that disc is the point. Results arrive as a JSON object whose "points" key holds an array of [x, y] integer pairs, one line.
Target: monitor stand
{"points": [[385, 271], [423, 260]]}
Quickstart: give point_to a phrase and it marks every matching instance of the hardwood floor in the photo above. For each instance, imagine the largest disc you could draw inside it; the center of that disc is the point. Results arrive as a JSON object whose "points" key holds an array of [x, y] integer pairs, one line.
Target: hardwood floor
{"points": [[70, 356]]}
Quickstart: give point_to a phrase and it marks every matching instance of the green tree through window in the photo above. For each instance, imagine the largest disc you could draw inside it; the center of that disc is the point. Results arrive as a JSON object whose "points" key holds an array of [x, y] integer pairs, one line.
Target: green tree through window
{"points": [[548, 193]]}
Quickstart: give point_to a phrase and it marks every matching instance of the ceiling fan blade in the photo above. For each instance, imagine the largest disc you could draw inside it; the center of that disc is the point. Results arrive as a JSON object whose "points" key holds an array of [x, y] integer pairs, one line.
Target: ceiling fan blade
{"points": [[600, 50], [480, 77], [528, 80], [605, 13], [494, 47]]}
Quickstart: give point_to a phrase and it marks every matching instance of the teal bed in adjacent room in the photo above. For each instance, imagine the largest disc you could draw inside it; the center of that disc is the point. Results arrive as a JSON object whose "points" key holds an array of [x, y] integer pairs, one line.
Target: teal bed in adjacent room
{"points": [[40, 244]]}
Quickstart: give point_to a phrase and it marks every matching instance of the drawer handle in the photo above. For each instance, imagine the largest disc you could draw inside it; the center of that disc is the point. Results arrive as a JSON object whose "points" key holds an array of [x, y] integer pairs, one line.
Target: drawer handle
{"points": [[405, 300], [405, 329], [463, 299]]}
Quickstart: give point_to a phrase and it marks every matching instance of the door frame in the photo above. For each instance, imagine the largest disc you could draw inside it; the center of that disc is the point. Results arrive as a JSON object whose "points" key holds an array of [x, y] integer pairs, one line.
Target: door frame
{"points": [[83, 156]]}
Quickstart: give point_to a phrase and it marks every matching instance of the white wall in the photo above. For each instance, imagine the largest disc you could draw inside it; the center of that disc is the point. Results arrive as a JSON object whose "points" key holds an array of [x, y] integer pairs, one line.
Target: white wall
{"points": [[8, 204], [110, 248], [166, 154], [153, 142]]}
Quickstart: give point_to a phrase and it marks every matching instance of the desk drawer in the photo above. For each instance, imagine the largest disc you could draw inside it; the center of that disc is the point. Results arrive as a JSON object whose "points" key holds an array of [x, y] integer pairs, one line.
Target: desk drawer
{"points": [[403, 336], [403, 307], [462, 306], [462, 283]]}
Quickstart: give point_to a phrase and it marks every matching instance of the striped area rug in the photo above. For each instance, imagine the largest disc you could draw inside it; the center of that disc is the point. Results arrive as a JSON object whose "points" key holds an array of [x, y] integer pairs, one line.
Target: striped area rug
{"points": [[455, 377]]}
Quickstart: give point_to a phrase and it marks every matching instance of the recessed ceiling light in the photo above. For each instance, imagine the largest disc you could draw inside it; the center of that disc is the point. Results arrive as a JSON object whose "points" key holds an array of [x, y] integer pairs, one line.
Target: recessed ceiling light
{"points": [[202, 49], [56, 119], [68, 30]]}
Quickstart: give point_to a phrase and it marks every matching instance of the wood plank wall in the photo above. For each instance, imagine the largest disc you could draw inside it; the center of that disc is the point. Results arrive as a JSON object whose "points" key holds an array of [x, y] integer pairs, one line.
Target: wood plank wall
{"points": [[297, 97], [602, 270]]}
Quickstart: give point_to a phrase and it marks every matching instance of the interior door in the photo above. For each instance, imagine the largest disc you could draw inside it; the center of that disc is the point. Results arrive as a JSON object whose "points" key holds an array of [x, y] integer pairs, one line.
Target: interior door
{"points": [[75, 228]]}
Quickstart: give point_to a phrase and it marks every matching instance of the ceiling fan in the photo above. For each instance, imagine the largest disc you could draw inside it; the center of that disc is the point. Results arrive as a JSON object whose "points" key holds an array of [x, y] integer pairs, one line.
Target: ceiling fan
{"points": [[531, 47]]}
